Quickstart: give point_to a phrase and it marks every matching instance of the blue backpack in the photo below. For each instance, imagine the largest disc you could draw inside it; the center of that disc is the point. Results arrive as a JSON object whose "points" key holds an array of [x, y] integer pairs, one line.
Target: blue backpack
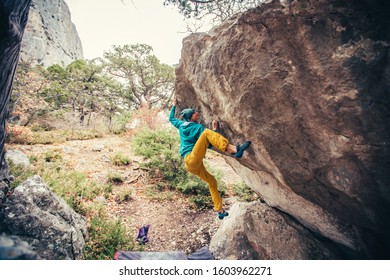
{"points": [[142, 237]]}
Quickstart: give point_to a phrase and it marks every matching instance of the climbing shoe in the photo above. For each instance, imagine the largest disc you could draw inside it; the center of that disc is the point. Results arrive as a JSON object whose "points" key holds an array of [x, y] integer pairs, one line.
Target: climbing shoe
{"points": [[241, 148], [222, 215]]}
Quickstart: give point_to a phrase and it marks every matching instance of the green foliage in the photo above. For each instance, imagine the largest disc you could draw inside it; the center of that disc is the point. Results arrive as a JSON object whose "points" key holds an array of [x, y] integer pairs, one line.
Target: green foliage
{"points": [[106, 235], [160, 148], [60, 136], [18, 134], [41, 127], [20, 173], [84, 87], [129, 77], [156, 193], [53, 156], [25, 136], [202, 201], [119, 121], [56, 72], [123, 195], [115, 178], [74, 186], [33, 159], [120, 159], [192, 185], [26, 98], [147, 80], [220, 10], [244, 192]]}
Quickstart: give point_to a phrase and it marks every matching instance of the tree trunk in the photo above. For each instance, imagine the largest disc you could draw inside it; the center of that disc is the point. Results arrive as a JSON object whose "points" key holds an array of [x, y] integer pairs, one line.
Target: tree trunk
{"points": [[13, 19]]}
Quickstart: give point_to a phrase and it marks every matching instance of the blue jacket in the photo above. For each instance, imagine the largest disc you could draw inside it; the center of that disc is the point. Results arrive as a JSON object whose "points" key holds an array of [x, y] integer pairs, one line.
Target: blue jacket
{"points": [[189, 133]]}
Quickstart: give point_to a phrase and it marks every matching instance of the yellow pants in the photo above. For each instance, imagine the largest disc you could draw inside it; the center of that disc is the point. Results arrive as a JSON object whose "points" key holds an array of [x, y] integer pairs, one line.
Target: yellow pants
{"points": [[193, 162]]}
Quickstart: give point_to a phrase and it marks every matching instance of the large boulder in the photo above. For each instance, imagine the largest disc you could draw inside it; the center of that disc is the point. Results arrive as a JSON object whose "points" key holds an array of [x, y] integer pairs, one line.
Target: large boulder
{"points": [[257, 231], [37, 216], [309, 85]]}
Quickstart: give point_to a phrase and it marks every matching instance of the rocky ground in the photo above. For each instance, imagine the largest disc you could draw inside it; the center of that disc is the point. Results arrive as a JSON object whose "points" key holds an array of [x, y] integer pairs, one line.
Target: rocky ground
{"points": [[175, 224]]}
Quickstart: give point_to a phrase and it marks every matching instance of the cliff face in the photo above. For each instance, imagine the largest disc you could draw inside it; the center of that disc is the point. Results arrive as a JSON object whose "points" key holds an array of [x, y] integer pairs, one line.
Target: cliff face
{"points": [[50, 36], [308, 83]]}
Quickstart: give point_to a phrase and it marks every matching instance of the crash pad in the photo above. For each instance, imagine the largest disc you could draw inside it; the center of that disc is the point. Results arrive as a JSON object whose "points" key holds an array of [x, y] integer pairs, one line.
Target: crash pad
{"points": [[201, 254]]}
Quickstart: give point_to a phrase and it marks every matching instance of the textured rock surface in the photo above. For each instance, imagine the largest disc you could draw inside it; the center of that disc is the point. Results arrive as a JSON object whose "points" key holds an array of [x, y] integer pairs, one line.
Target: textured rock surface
{"points": [[38, 217], [50, 36], [17, 158], [308, 84], [281, 237], [12, 248]]}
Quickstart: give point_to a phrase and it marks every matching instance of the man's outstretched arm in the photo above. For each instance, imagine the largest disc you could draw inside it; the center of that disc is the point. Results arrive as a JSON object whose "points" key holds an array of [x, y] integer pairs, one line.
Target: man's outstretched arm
{"points": [[176, 123]]}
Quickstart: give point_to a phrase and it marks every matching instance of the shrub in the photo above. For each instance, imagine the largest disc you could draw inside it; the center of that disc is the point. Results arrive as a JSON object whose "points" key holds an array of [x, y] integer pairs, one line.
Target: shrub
{"points": [[124, 195], [53, 155], [244, 192], [20, 172], [120, 159], [192, 185], [202, 201], [84, 134], [41, 127], [119, 122], [18, 134], [156, 193], [115, 178], [106, 235], [160, 148]]}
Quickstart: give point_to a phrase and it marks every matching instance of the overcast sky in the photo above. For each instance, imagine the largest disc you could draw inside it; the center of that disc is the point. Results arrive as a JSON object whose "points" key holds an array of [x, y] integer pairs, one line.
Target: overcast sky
{"points": [[104, 23]]}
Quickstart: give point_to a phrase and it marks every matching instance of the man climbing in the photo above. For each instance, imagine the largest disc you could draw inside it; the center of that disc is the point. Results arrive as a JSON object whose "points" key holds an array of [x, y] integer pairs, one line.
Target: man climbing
{"points": [[194, 141]]}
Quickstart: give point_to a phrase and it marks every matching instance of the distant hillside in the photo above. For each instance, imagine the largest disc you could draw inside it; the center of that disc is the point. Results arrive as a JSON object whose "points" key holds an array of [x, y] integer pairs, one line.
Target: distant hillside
{"points": [[50, 36]]}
